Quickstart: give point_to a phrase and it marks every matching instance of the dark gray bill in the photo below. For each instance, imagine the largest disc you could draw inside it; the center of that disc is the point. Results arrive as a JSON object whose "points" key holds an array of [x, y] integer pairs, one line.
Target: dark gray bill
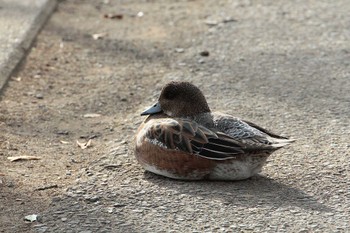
{"points": [[154, 109]]}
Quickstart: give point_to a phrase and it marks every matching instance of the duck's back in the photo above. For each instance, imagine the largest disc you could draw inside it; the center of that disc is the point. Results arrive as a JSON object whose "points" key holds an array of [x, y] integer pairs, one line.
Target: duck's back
{"points": [[234, 127], [250, 134]]}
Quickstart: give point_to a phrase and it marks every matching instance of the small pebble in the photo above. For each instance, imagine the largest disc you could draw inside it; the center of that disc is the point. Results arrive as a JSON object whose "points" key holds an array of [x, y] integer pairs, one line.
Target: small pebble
{"points": [[92, 199], [204, 53], [39, 96], [179, 50]]}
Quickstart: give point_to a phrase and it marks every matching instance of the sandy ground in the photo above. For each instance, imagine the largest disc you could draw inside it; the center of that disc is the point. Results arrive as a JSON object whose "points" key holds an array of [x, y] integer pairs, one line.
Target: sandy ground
{"points": [[284, 65]]}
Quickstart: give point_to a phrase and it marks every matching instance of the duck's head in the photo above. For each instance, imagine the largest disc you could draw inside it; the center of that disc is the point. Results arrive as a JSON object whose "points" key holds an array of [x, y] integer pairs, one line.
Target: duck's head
{"points": [[179, 99]]}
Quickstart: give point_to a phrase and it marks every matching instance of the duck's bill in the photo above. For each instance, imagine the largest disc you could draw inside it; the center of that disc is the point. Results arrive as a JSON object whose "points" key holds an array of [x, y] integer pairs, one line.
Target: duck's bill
{"points": [[152, 110]]}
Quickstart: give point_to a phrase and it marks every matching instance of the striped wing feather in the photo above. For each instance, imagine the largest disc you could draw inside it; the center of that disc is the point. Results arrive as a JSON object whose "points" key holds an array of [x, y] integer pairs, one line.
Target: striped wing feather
{"points": [[188, 136]]}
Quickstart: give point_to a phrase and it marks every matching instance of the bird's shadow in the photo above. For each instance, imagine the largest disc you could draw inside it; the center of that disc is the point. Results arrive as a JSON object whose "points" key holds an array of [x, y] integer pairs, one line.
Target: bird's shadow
{"points": [[253, 192]]}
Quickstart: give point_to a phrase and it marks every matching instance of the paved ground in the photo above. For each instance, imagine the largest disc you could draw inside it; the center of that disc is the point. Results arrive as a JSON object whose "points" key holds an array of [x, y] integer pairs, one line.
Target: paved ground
{"points": [[284, 65]]}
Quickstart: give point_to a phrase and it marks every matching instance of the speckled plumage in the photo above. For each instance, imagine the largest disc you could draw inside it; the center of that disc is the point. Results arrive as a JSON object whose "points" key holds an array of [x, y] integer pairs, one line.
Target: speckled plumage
{"points": [[182, 139]]}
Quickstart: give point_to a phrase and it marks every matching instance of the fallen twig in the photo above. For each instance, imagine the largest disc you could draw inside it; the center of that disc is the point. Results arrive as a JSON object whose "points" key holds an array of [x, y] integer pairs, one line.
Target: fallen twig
{"points": [[112, 165], [47, 187], [23, 157]]}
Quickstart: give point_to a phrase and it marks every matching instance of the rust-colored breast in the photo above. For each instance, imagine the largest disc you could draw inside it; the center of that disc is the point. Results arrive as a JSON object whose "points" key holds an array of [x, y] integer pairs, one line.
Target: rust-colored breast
{"points": [[172, 163]]}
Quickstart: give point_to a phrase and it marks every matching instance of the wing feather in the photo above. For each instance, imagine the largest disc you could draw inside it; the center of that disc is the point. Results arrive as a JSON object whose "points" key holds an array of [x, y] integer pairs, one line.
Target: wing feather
{"points": [[189, 136]]}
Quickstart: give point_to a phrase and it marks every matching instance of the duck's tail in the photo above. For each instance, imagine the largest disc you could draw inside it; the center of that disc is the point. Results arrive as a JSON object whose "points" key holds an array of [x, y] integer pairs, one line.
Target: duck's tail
{"points": [[281, 142]]}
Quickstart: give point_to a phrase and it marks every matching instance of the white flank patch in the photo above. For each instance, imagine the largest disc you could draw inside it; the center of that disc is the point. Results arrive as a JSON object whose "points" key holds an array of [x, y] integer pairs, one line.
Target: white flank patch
{"points": [[237, 170]]}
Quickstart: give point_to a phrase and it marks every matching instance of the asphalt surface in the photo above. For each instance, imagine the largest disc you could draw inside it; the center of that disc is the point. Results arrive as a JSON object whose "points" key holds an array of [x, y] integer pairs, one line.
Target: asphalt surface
{"points": [[284, 65]]}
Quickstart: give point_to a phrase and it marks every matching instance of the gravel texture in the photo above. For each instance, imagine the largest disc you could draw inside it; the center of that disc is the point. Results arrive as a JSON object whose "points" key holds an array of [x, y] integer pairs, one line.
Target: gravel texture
{"points": [[281, 64]]}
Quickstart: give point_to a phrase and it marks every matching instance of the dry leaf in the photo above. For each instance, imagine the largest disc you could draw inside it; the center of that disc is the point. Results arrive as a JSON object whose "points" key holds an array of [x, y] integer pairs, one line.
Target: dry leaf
{"points": [[23, 157], [98, 36], [84, 145], [92, 115]]}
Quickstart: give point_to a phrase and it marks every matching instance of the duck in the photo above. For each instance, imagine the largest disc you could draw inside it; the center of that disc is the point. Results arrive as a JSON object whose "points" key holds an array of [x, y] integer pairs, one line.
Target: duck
{"points": [[182, 139]]}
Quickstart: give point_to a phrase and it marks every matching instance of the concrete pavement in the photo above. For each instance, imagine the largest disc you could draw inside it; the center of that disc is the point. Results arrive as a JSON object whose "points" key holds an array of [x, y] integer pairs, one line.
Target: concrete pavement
{"points": [[20, 21], [281, 64]]}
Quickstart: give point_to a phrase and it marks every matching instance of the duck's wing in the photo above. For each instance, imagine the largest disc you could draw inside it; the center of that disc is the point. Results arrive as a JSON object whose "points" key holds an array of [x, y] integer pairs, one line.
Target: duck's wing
{"points": [[251, 124], [188, 136], [254, 138]]}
